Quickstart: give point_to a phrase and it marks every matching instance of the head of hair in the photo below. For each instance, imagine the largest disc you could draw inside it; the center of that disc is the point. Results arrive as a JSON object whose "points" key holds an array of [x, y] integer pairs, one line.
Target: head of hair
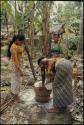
{"points": [[19, 37], [39, 60], [56, 35]]}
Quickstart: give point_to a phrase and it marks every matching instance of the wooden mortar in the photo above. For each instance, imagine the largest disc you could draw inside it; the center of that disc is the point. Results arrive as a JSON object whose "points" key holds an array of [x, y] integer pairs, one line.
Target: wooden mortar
{"points": [[42, 94]]}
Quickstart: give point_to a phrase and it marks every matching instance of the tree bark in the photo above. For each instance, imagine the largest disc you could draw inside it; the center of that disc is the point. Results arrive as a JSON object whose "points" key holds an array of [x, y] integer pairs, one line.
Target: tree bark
{"points": [[80, 45], [15, 19], [7, 24], [45, 11]]}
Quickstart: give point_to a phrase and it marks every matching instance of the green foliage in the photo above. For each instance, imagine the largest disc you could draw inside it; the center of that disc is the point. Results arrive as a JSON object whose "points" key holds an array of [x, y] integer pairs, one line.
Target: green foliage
{"points": [[29, 16], [5, 6], [19, 19], [69, 13], [71, 43]]}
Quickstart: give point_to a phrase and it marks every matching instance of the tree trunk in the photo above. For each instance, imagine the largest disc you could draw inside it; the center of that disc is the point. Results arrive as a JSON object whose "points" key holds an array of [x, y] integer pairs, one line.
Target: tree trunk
{"points": [[32, 41], [15, 19], [80, 45], [7, 24], [45, 11], [31, 35]]}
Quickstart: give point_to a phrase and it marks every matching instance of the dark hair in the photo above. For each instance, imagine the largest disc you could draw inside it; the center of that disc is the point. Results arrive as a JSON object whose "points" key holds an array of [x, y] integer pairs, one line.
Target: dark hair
{"points": [[19, 37], [56, 34], [40, 59]]}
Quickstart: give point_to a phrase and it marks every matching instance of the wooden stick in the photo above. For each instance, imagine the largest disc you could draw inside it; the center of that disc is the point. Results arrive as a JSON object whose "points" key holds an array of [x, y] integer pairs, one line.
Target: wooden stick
{"points": [[4, 106], [30, 61]]}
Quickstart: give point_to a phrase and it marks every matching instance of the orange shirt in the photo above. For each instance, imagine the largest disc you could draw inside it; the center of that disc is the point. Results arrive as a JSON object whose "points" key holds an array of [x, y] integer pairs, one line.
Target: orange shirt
{"points": [[16, 55]]}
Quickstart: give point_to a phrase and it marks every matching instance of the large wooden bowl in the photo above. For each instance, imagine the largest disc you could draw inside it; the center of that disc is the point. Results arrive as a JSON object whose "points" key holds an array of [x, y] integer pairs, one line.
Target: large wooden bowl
{"points": [[42, 94]]}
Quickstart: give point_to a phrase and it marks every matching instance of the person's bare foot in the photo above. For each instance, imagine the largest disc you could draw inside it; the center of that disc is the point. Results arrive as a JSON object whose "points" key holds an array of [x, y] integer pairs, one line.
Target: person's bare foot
{"points": [[18, 100], [53, 110]]}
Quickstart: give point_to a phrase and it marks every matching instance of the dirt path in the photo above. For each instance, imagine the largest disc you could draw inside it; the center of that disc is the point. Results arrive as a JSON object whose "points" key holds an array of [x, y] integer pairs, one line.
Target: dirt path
{"points": [[32, 112]]}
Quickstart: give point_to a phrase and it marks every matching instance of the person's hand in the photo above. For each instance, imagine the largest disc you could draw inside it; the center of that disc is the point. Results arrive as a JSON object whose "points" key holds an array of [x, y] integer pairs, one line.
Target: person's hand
{"points": [[21, 73], [47, 81], [25, 74]]}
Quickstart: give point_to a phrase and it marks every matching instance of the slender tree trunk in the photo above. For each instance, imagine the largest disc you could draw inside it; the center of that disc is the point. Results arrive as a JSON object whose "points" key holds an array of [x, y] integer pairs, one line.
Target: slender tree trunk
{"points": [[24, 7], [80, 45], [7, 24], [15, 19], [45, 11], [32, 34]]}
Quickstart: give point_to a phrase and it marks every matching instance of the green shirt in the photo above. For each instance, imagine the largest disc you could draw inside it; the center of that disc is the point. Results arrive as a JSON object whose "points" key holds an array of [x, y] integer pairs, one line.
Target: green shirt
{"points": [[57, 50]]}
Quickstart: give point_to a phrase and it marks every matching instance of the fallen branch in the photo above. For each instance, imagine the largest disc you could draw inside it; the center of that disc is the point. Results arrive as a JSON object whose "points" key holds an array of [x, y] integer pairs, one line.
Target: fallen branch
{"points": [[4, 106]]}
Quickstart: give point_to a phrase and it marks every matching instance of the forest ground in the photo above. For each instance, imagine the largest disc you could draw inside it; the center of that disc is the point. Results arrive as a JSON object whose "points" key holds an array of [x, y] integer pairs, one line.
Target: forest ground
{"points": [[32, 112]]}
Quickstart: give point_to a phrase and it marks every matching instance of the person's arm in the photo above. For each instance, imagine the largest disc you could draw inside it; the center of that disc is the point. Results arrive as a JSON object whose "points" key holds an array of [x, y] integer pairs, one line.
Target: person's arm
{"points": [[43, 76]]}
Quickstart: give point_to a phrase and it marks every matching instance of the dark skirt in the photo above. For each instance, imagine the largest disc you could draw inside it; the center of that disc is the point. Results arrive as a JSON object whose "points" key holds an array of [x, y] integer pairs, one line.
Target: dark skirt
{"points": [[62, 85]]}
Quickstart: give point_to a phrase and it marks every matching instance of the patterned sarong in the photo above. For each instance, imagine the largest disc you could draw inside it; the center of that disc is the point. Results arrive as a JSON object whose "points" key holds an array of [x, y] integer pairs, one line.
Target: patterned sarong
{"points": [[62, 85]]}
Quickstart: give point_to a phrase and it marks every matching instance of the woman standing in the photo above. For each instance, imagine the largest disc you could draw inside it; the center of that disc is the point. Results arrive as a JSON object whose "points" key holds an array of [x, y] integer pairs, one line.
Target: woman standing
{"points": [[15, 53], [56, 47]]}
